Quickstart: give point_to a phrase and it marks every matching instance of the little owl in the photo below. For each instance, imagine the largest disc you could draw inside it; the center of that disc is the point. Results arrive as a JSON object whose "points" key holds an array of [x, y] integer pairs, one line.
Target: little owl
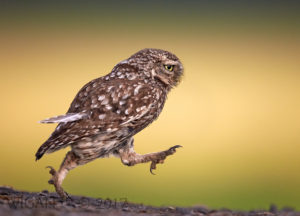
{"points": [[108, 111]]}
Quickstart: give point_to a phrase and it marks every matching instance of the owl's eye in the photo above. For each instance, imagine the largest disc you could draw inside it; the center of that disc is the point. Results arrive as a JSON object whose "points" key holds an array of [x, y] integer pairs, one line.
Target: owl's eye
{"points": [[169, 67]]}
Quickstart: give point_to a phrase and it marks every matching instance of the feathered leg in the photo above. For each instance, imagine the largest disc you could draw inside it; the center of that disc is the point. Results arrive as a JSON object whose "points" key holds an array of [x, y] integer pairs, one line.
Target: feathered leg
{"points": [[70, 162], [129, 157]]}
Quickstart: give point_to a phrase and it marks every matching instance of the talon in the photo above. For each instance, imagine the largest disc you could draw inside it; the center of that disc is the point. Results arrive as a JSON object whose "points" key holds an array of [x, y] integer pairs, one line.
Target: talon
{"points": [[68, 197], [50, 167], [54, 180], [152, 167], [52, 170], [161, 156], [175, 147], [172, 150]]}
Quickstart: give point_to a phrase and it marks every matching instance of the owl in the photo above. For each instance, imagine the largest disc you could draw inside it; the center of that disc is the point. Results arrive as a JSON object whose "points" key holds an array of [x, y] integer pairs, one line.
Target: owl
{"points": [[108, 111]]}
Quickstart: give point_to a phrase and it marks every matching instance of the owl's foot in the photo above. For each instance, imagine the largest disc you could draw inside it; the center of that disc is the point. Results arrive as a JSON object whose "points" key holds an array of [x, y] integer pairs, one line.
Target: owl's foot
{"points": [[130, 158], [159, 157], [57, 183]]}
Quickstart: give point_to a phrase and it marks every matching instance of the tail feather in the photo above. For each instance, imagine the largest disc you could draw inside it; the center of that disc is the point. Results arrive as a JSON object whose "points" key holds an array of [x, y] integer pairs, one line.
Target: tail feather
{"points": [[69, 117], [41, 151]]}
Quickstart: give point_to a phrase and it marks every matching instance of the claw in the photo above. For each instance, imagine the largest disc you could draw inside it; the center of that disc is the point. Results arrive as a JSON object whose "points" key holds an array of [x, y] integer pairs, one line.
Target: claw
{"points": [[52, 170], [50, 167], [54, 180], [68, 196], [53, 173], [172, 150], [152, 167], [161, 158], [175, 147]]}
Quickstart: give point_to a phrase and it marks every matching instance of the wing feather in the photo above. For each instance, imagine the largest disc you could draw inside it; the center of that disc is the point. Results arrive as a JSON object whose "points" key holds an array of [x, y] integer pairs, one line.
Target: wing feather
{"points": [[69, 117]]}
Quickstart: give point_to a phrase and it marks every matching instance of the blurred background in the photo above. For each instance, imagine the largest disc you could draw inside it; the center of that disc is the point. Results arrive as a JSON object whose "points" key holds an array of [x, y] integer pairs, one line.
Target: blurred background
{"points": [[236, 111]]}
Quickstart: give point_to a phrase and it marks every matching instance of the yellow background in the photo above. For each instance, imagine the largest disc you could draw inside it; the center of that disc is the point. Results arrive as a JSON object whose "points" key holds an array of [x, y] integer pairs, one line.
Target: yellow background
{"points": [[236, 111]]}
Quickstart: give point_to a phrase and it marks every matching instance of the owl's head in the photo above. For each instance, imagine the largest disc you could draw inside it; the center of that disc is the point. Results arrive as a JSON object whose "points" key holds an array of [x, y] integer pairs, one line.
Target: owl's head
{"points": [[161, 65]]}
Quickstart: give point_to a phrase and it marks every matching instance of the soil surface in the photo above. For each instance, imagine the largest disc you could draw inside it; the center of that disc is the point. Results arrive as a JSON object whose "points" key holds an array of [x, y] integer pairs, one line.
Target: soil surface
{"points": [[13, 202]]}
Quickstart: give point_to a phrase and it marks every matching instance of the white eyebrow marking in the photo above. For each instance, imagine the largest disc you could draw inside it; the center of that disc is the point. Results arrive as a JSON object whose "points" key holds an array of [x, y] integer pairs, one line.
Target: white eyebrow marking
{"points": [[171, 62]]}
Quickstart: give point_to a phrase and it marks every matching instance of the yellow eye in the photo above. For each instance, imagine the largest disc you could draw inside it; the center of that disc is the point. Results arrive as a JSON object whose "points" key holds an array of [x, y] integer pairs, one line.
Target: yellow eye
{"points": [[169, 67]]}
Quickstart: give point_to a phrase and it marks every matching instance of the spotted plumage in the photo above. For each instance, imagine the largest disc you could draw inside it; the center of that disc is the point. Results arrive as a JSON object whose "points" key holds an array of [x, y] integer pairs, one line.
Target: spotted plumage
{"points": [[108, 111]]}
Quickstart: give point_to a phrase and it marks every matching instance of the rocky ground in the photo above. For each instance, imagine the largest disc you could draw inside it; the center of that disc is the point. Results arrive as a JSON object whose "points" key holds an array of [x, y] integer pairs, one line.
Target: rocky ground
{"points": [[13, 202]]}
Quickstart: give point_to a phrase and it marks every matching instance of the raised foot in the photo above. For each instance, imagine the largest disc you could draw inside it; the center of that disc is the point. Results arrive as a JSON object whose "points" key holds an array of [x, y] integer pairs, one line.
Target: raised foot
{"points": [[55, 181], [161, 156]]}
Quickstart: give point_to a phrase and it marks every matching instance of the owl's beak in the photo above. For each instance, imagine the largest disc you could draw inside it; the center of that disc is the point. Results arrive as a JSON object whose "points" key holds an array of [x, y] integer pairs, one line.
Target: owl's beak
{"points": [[161, 77]]}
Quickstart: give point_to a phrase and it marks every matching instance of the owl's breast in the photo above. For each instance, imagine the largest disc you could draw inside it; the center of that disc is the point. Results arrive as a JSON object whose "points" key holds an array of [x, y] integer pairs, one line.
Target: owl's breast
{"points": [[148, 112]]}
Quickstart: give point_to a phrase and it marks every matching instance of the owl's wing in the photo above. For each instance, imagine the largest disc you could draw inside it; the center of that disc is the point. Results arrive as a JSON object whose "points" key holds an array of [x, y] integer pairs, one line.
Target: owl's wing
{"points": [[111, 106]]}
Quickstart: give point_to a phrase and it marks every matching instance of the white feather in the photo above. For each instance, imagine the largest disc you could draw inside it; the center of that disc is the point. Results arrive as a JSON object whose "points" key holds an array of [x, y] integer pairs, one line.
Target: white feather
{"points": [[132, 118], [69, 117]]}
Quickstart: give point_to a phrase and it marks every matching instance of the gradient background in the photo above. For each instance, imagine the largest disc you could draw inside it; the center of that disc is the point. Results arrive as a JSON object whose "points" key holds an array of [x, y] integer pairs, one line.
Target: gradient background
{"points": [[236, 112]]}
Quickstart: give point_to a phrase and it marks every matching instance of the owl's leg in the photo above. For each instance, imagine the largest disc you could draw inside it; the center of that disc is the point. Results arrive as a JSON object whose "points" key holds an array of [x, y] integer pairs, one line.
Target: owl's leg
{"points": [[70, 162], [129, 157]]}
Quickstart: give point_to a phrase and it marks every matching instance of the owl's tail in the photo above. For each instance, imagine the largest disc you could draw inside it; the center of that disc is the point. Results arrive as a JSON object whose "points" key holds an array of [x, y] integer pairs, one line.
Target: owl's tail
{"points": [[41, 151]]}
